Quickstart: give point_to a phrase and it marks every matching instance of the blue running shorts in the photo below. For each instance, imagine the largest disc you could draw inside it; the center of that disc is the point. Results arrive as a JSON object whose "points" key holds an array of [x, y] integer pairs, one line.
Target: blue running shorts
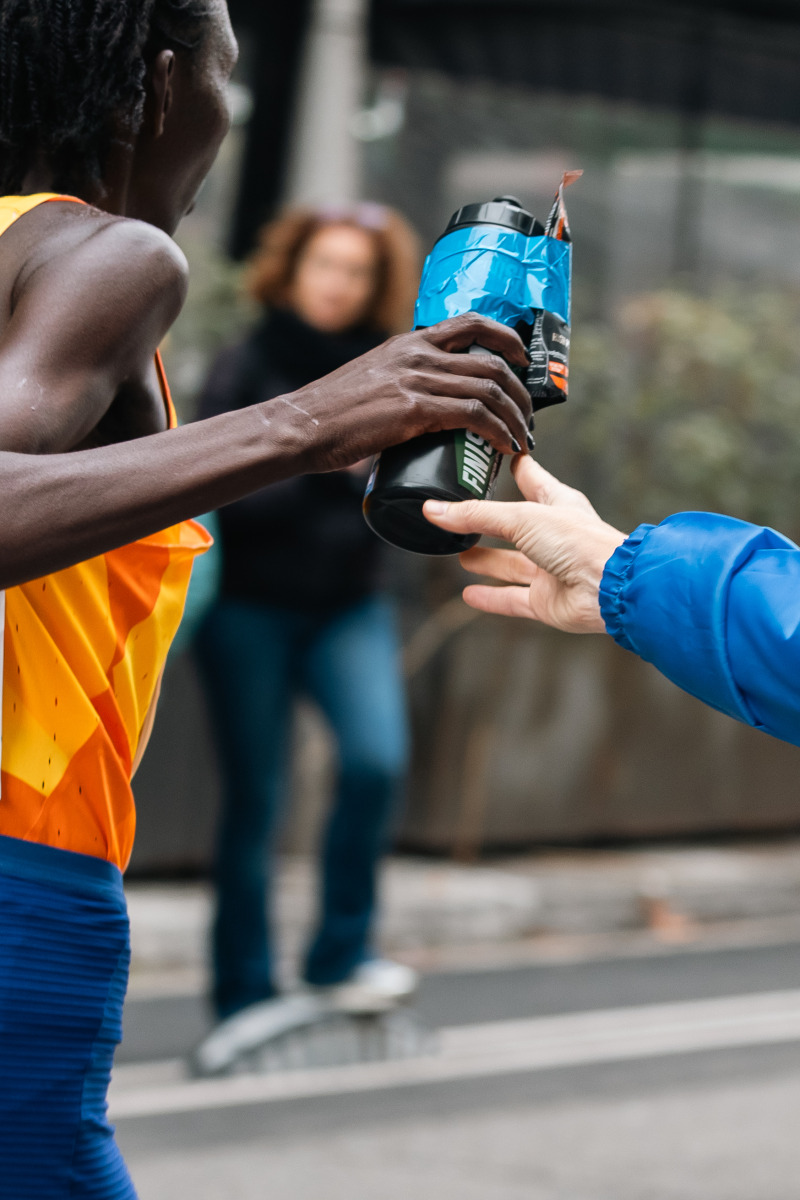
{"points": [[64, 958]]}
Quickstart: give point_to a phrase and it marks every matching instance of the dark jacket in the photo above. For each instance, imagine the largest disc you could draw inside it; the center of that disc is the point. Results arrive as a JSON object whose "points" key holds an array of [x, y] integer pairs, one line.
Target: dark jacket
{"points": [[302, 544]]}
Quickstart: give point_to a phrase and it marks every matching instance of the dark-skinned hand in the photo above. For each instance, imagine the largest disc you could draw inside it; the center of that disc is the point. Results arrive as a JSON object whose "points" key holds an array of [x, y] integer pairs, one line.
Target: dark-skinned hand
{"points": [[420, 382]]}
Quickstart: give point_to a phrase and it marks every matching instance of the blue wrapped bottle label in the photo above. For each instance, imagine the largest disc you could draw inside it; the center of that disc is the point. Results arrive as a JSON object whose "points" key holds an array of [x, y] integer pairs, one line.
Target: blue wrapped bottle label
{"points": [[498, 272]]}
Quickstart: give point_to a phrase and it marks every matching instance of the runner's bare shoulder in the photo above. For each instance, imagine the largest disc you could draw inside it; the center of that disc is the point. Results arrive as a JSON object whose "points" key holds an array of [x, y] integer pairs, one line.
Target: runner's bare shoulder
{"points": [[62, 238], [91, 298]]}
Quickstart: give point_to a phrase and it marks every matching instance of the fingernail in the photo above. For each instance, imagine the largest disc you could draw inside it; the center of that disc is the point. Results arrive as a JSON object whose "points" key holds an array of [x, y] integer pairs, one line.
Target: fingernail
{"points": [[436, 508], [516, 445], [531, 422], [531, 444]]}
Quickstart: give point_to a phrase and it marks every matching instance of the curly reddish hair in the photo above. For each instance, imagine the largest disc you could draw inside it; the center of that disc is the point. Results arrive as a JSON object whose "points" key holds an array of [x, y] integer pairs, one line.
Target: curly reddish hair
{"points": [[282, 241]]}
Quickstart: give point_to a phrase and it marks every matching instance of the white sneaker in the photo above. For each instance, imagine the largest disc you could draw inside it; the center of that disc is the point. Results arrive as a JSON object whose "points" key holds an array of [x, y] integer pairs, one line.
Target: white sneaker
{"points": [[375, 986], [253, 1027]]}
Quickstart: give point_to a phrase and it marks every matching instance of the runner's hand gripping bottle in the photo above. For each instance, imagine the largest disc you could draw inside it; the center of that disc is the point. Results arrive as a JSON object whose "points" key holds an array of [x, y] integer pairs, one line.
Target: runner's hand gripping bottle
{"points": [[498, 260]]}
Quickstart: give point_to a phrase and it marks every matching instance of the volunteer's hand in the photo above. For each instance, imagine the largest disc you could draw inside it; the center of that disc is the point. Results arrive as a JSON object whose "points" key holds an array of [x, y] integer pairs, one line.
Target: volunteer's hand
{"points": [[562, 549]]}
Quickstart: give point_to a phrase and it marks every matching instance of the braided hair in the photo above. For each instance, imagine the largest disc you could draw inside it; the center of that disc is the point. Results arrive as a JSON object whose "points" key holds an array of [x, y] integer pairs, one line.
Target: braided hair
{"points": [[72, 73]]}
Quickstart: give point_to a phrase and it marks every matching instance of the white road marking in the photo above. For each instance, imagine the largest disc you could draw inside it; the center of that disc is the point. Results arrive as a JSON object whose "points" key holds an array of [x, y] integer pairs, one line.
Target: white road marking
{"points": [[476, 1051]]}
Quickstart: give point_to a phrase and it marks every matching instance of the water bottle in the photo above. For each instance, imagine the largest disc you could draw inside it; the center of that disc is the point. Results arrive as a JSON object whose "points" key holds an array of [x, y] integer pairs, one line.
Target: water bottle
{"points": [[496, 259]]}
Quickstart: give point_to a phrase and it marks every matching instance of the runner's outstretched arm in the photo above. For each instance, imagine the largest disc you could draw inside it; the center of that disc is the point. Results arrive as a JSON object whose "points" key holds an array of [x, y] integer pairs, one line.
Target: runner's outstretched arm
{"points": [[83, 329]]}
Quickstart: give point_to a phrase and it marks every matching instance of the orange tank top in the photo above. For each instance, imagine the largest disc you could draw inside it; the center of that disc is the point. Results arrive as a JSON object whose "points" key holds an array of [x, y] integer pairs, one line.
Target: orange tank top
{"points": [[81, 660]]}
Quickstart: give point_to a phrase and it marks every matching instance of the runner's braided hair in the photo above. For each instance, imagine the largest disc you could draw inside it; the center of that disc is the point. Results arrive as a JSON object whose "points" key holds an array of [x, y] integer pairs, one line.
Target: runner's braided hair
{"points": [[72, 73]]}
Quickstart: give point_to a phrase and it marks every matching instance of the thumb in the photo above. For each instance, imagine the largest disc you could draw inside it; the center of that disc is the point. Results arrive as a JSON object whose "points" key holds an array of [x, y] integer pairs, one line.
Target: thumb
{"points": [[540, 486], [532, 480], [478, 516]]}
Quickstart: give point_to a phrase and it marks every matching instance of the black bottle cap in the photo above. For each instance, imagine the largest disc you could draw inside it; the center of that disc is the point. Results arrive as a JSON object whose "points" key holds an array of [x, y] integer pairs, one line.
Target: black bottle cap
{"points": [[503, 210]]}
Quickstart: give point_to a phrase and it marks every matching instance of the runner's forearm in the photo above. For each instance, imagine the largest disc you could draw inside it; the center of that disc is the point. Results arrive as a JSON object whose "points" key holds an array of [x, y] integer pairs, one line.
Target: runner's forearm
{"points": [[62, 509], [59, 509]]}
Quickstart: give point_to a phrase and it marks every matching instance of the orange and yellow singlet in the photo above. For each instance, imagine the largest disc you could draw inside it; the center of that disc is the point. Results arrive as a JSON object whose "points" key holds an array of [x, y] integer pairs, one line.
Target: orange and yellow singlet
{"points": [[80, 661]]}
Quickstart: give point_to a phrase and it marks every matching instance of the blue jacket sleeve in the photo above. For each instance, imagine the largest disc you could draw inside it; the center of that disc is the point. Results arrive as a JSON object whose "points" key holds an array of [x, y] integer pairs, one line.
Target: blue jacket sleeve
{"points": [[714, 604]]}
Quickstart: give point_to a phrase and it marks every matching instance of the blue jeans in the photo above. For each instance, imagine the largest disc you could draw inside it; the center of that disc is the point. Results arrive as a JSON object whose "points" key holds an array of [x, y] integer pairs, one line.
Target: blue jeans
{"points": [[255, 660]]}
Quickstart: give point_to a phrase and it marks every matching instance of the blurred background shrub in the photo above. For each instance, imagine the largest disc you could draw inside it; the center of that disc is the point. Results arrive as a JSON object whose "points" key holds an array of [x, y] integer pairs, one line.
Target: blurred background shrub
{"points": [[685, 402]]}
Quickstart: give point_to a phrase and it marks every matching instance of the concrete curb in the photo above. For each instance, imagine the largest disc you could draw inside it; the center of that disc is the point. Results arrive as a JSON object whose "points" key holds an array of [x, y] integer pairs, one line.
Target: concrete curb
{"points": [[433, 906]]}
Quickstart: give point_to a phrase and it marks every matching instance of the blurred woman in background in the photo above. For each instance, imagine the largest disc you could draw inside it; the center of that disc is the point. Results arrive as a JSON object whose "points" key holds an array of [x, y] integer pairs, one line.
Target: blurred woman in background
{"points": [[302, 610]]}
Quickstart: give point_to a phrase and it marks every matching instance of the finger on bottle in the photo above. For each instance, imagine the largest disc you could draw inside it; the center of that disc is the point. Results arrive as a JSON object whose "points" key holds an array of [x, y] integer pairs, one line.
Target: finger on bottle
{"points": [[469, 328]]}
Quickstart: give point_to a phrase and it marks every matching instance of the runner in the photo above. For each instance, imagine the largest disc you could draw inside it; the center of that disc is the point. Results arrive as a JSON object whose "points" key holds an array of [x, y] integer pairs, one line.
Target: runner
{"points": [[111, 113]]}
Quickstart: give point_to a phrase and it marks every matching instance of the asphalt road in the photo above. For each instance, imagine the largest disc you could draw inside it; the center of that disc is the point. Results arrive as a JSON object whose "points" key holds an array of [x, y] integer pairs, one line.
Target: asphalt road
{"points": [[680, 1082]]}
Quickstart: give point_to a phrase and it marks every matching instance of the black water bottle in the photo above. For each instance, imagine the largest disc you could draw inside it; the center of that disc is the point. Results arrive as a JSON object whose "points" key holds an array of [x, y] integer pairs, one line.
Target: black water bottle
{"points": [[479, 264]]}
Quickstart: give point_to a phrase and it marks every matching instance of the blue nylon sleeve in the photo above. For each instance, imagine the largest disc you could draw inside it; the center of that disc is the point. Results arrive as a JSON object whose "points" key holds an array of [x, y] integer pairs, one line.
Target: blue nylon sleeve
{"points": [[714, 604], [764, 637]]}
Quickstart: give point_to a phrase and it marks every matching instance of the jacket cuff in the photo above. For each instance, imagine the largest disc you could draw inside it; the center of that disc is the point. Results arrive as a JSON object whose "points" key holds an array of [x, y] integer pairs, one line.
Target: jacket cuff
{"points": [[615, 576], [665, 597]]}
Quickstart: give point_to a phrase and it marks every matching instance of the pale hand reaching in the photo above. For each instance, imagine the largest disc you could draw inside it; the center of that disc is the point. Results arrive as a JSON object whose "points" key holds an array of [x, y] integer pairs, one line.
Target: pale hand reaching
{"points": [[562, 548]]}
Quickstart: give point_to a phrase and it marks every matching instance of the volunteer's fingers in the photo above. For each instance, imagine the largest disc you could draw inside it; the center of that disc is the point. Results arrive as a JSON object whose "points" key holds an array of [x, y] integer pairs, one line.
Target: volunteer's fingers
{"points": [[490, 517], [471, 329], [503, 601], [540, 486], [542, 601], [508, 566], [532, 479]]}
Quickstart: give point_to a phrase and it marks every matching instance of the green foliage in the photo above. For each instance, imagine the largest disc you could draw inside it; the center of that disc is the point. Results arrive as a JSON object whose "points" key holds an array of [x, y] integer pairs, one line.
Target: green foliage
{"points": [[687, 403]]}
